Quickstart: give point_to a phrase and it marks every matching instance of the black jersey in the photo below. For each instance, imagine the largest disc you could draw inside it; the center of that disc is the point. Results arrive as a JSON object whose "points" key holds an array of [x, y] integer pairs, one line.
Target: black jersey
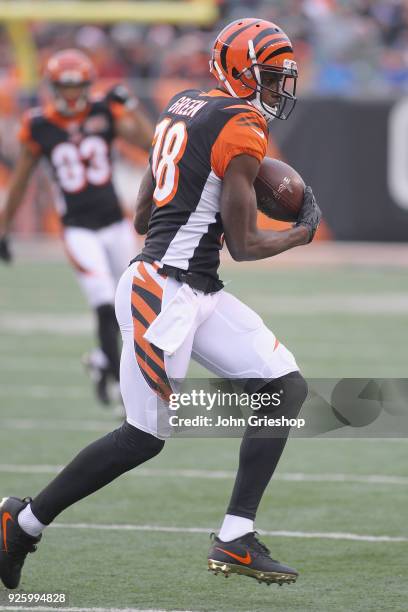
{"points": [[195, 139], [79, 152]]}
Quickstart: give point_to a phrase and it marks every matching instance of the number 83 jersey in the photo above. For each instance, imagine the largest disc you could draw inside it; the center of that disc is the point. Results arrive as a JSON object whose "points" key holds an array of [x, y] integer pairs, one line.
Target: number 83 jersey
{"points": [[196, 137], [79, 151]]}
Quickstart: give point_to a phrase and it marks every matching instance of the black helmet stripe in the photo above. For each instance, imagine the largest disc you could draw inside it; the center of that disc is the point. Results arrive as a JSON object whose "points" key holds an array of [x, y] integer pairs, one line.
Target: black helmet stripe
{"points": [[263, 33], [223, 56], [278, 52], [269, 43], [228, 41]]}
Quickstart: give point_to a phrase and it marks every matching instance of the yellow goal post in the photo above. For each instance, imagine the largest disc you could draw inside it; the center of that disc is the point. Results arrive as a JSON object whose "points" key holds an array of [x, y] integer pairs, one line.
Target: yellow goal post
{"points": [[16, 15]]}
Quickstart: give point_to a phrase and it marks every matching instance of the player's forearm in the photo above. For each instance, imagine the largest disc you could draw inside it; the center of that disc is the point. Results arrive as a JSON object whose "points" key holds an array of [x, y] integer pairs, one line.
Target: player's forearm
{"points": [[13, 202], [263, 243], [142, 218], [144, 203], [144, 131], [136, 130], [17, 188]]}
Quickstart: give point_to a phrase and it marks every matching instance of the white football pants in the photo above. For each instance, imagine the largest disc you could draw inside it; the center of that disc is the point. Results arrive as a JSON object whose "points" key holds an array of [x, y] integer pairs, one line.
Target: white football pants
{"points": [[99, 257], [164, 323]]}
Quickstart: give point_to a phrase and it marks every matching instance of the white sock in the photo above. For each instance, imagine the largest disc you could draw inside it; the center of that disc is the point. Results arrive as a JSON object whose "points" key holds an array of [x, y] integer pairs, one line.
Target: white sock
{"points": [[29, 523], [234, 527]]}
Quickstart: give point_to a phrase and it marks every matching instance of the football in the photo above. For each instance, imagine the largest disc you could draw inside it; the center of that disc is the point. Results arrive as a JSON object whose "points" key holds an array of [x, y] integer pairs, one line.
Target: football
{"points": [[279, 190]]}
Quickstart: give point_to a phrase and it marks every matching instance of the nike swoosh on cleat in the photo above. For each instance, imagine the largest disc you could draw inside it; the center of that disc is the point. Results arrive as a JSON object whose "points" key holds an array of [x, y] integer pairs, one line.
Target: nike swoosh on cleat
{"points": [[246, 560], [5, 518], [261, 134]]}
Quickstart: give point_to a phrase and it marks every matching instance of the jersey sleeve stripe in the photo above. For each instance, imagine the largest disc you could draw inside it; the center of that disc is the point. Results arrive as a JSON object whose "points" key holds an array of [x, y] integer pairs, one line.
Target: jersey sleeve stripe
{"points": [[235, 139], [246, 106]]}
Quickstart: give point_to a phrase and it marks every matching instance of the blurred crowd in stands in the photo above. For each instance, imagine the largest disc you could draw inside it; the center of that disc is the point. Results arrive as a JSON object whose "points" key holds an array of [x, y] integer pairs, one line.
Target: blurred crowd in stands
{"points": [[344, 47]]}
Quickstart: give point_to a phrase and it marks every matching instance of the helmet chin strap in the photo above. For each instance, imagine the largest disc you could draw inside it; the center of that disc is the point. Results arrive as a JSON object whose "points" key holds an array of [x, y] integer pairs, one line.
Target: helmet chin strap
{"points": [[268, 116], [223, 79], [256, 102]]}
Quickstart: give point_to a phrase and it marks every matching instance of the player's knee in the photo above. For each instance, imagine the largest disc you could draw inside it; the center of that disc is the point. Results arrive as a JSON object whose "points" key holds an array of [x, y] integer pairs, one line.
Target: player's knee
{"points": [[296, 387], [292, 390], [136, 446]]}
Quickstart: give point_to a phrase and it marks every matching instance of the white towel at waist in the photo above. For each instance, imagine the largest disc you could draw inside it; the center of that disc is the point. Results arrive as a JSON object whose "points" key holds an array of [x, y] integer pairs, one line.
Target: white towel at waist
{"points": [[171, 327]]}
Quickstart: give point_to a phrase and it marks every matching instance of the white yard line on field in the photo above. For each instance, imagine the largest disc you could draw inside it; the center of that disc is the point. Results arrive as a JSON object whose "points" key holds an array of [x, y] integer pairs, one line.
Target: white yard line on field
{"points": [[67, 324], [26, 424], [44, 391], [64, 324], [10, 362], [353, 303], [207, 530], [220, 475], [39, 364], [57, 425]]}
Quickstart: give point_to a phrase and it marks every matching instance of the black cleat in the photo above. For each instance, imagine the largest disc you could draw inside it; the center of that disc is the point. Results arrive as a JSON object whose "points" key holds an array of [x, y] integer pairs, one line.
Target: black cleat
{"points": [[249, 557], [15, 543]]}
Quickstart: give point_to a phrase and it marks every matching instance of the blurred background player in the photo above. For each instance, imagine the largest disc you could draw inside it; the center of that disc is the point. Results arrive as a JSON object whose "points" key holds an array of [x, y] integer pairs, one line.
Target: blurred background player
{"points": [[74, 132]]}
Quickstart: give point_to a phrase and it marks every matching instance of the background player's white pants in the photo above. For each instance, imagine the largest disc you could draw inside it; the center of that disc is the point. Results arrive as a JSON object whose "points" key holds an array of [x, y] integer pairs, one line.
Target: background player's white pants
{"points": [[99, 257], [224, 335]]}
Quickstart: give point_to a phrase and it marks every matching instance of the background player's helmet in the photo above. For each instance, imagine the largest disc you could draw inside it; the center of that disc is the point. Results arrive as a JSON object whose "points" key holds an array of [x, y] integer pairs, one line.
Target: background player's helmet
{"points": [[70, 74], [245, 50]]}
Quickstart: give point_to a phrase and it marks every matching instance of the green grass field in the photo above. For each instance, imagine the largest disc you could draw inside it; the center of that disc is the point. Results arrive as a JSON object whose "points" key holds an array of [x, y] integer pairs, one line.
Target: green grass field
{"points": [[106, 552]]}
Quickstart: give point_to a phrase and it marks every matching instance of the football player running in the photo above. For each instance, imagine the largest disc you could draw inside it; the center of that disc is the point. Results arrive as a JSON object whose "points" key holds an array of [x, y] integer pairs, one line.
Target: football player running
{"points": [[74, 133], [171, 305]]}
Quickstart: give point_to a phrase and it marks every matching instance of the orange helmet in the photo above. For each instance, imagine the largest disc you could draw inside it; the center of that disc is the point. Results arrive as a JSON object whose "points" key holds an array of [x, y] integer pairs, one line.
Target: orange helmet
{"points": [[244, 51], [70, 68]]}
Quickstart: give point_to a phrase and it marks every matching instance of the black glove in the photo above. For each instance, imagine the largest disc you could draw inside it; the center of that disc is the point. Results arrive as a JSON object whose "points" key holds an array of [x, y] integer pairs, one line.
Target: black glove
{"points": [[119, 94], [5, 253], [310, 214]]}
